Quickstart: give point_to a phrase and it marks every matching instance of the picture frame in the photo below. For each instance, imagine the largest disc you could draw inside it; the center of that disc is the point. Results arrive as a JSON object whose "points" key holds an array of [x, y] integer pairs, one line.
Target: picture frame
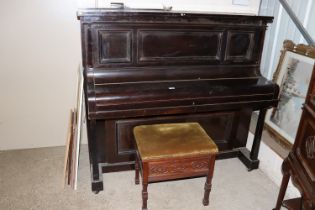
{"points": [[293, 75]]}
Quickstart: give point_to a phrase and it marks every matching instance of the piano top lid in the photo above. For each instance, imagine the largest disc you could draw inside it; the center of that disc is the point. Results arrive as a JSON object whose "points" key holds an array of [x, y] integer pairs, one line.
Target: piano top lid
{"points": [[160, 13]]}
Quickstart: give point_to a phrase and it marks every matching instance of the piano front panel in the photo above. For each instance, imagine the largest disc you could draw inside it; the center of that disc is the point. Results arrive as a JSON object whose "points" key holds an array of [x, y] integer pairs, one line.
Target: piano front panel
{"points": [[223, 127], [179, 46], [135, 45], [107, 49], [240, 46]]}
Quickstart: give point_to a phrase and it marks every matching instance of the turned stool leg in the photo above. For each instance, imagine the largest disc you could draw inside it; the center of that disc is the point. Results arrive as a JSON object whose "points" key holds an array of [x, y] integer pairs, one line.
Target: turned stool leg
{"points": [[137, 170], [208, 184], [144, 196], [145, 175]]}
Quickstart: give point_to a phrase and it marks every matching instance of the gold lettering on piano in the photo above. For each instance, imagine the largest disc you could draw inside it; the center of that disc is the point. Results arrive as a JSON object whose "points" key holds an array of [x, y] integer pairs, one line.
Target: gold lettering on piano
{"points": [[310, 147]]}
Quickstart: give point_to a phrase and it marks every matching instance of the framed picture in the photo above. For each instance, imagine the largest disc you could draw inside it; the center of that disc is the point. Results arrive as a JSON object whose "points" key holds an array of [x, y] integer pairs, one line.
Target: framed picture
{"points": [[293, 75]]}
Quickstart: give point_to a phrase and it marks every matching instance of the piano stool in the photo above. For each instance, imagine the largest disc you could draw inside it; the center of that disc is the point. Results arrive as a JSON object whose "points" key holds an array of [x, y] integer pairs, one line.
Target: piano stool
{"points": [[173, 151]]}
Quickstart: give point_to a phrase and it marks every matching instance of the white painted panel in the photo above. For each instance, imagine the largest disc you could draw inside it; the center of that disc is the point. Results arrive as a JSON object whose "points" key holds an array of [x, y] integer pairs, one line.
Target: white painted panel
{"points": [[222, 6], [311, 22], [267, 10], [308, 14], [302, 12], [291, 29], [273, 9], [283, 28]]}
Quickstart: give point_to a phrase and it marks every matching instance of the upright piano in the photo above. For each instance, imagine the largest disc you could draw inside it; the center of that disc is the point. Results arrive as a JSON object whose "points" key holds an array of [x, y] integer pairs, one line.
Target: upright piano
{"points": [[151, 66]]}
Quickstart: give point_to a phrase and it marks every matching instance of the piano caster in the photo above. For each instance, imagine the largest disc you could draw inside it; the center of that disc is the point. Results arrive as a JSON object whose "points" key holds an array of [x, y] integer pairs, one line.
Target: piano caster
{"points": [[96, 192]]}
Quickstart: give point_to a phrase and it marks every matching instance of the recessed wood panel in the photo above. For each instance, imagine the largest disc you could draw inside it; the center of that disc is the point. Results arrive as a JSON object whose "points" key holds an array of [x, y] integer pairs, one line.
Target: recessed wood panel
{"points": [[239, 46], [218, 126], [186, 46], [306, 149], [114, 46]]}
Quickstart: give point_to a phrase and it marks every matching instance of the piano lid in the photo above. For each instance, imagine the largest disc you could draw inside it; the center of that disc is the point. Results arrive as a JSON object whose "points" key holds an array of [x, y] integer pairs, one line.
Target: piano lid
{"points": [[103, 13]]}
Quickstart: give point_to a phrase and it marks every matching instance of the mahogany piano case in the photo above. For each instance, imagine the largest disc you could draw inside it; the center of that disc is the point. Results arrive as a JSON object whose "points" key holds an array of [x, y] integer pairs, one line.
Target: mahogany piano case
{"points": [[149, 67]]}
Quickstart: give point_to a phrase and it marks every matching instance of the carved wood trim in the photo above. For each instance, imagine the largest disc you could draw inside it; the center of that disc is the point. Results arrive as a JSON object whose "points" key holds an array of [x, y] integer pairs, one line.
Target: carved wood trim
{"points": [[289, 45], [304, 146], [310, 147], [178, 166]]}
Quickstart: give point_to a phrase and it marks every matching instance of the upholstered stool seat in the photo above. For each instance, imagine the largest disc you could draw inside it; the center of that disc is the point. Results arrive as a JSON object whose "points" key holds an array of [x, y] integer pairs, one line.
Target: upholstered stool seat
{"points": [[172, 151]]}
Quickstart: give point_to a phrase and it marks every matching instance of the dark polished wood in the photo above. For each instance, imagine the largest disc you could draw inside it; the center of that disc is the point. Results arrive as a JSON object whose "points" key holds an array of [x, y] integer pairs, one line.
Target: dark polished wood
{"points": [[300, 163], [292, 204], [149, 67]]}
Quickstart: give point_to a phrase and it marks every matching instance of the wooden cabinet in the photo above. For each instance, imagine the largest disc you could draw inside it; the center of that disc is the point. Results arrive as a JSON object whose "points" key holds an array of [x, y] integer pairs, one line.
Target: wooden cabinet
{"points": [[300, 164]]}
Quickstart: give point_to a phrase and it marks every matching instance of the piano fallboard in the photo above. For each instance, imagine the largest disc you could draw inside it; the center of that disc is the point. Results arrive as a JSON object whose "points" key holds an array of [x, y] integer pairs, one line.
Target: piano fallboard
{"points": [[149, 98]]}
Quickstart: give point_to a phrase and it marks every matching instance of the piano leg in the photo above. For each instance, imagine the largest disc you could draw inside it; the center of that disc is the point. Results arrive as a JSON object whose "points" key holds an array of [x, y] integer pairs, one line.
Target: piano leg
{"points": [[97, 181], [250, 159], [96, 170]]}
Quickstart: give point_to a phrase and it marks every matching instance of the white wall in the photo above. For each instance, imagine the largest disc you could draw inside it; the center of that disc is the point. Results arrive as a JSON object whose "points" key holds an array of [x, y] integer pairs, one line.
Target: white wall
{"points": [[222, 6], [39, 59]]}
